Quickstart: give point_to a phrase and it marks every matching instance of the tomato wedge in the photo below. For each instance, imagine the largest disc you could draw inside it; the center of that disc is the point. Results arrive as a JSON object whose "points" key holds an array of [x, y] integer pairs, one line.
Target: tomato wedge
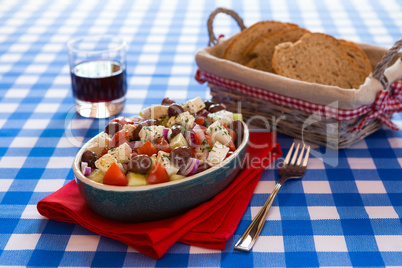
{"points": [[122, 120], [147, 148], [231, 146], [209, 141], [162, 145], [114, 176], [200, 120], [104, 151], [232, 133], [198, 139], [119, 138], [158, 174]]}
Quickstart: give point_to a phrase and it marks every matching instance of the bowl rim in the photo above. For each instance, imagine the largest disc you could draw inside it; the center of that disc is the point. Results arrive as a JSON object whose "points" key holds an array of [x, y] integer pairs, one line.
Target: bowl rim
{"points": [[78, 174]]}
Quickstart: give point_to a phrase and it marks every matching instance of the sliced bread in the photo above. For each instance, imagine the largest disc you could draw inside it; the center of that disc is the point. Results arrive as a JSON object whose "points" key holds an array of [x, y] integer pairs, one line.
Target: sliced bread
{"points": [[317, 58], [259, 54], [357, 55], [236, 48]]}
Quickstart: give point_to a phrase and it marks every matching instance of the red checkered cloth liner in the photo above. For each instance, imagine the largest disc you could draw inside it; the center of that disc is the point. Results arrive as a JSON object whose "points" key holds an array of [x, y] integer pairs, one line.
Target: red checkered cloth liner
{"points": [[386, 103]]}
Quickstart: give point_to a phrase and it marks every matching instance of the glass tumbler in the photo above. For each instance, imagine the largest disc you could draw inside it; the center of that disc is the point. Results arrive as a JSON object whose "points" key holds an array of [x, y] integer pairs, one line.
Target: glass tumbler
{"points": [[98, 75]]}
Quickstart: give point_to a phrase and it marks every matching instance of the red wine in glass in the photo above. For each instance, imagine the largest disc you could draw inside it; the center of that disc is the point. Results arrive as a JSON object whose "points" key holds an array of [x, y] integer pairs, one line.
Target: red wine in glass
{"points": [[98, 81]]}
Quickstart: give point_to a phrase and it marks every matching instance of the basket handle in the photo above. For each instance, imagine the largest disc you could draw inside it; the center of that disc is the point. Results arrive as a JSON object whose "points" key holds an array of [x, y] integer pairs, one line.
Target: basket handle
{"points": [[383, 64], [233, 14]]}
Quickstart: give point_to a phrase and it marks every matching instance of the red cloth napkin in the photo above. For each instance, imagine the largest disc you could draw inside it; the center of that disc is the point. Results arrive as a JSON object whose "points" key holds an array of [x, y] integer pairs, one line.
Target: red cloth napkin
{"points": [[208, 225]]}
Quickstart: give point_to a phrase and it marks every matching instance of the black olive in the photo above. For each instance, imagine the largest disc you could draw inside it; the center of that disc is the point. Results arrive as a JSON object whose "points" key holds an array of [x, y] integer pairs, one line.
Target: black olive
{"points": [[176, 130], [167, 101], [238, 128], [136, 133], [208, 104], [140, 164], [180, 155], [112, 128], [175, 109], [90, 158], [216, 108]]}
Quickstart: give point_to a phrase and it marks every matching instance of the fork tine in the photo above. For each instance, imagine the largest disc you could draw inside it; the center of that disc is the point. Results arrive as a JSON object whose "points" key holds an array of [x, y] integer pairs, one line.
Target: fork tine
{"points": [[286, 162], [301, 156], [295, 155], [306, 157]]}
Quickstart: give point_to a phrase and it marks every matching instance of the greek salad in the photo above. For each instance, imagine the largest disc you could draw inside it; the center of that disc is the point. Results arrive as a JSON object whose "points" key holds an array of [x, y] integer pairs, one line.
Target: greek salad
{"points": [[166, 142]]}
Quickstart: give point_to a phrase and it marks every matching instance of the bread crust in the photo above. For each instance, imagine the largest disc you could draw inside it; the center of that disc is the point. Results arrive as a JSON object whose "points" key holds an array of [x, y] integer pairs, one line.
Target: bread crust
{"points": [[357, 55]]}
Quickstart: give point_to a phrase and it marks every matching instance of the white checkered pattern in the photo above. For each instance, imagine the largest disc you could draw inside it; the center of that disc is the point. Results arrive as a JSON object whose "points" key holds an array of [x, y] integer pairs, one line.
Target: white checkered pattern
{"points": [[347, 215]]}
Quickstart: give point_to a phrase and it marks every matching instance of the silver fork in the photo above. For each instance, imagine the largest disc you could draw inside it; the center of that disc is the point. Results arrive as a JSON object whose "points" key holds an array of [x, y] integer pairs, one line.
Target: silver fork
{"points": [[289, 170]]}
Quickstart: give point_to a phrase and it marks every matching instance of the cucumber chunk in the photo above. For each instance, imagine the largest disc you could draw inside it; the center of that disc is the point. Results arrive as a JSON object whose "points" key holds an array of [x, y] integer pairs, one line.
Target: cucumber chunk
{"points": [[136, 179], [238, 117], [176, 177], [97, 175], [177, 141]]}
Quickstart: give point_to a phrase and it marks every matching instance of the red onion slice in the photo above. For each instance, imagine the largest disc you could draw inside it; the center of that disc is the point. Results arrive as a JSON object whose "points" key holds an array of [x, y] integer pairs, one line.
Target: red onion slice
{"points": [[205, 113], [190, 168], [167, 132], [135, 144], [190, 138], [87, 171]]}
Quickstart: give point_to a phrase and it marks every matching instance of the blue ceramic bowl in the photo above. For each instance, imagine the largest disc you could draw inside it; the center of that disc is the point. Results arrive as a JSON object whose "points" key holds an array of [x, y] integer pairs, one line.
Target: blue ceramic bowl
{"points": [[158, 201]]}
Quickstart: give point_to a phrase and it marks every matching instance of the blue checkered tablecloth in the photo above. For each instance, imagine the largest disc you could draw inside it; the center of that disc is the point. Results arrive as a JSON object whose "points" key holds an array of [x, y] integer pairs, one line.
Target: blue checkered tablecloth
{"points": [[345, 212]]}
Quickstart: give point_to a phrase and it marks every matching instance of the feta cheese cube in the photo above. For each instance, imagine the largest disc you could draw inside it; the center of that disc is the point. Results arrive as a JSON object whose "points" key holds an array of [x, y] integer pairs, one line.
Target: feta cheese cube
{"points": [[155, 112], [99, 143], [164, 159], [121, 153], [193, 106], [184, 119], [217, 154], [219, 133], [150, 133], [104, 163], [222, 116], [201, 153]]}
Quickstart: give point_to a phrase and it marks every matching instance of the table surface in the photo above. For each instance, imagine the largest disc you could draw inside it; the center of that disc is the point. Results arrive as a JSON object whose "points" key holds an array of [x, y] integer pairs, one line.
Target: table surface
{"points": [[346, 211]]}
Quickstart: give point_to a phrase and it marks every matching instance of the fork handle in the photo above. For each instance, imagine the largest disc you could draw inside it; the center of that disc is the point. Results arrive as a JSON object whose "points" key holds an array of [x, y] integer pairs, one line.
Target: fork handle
{"points": [[247, 240]]}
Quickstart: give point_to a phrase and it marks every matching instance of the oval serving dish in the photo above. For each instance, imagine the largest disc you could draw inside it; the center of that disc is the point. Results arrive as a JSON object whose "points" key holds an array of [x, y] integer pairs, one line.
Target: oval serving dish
{"points": [[158, 201]]}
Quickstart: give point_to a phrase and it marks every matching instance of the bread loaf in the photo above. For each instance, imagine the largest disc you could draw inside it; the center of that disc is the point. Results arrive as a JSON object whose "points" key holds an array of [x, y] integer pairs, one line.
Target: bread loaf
{"points": [[236, 48], [259, 54], [317, 58]]}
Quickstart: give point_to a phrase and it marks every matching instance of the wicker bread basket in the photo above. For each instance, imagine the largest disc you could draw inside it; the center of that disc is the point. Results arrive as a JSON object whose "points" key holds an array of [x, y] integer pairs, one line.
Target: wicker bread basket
{"points": [[320, 114]]}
